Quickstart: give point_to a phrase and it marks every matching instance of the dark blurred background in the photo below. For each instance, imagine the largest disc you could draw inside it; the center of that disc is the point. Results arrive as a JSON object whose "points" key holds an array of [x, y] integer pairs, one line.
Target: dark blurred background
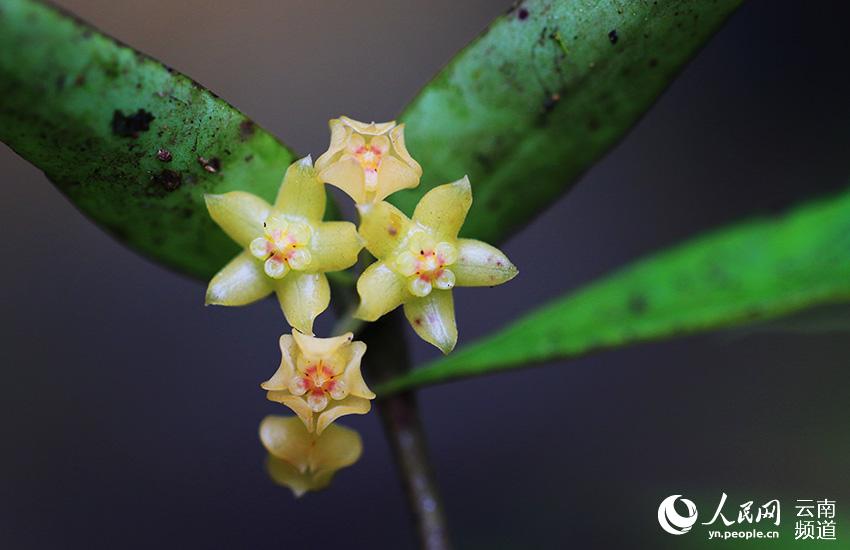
{"points": [[129, 411]]}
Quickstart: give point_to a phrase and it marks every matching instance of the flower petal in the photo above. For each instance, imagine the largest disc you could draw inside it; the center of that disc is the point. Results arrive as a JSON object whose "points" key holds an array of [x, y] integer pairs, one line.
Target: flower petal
{"points": [[480, 264], [298, 405], [393, 176], [302, 297], [239, 214], [280, 379], [349, 405], [240, 282], [443, 209], [383, 227], [368, 129], [337, 448], [304, 461], [285, 474], [335, 246], [433, 319], [347, 174], [302, 193], [353, 377], [320, 348], [400, 149], [285, 437], [381, 290], [339, 136]]}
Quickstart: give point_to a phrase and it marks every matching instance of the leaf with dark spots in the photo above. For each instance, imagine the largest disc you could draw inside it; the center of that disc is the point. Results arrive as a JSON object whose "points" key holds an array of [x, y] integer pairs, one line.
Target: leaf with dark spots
{"points": [[132, 114], [169, 180], [212, 165], [246, 129], [522, 102], [131, 125]]}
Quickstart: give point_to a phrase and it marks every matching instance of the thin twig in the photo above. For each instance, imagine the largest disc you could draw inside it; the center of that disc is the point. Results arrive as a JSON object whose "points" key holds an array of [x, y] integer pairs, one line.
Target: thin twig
{"points": [[404, 430], [387, 357]]}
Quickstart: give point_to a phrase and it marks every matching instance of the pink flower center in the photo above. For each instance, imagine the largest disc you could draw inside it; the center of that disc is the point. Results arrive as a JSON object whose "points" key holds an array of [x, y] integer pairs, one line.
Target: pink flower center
{"points": [[319, 379], [429, 265], [369, 157]]}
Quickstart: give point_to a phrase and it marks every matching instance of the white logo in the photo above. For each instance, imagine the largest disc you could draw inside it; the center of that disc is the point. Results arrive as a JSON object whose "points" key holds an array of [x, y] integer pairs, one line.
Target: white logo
{"points": [[671, 521]]}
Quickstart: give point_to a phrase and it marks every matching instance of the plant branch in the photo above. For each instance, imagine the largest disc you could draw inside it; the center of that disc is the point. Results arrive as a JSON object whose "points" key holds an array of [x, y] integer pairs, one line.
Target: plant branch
{"points": [[407, 438], [404, 430]]}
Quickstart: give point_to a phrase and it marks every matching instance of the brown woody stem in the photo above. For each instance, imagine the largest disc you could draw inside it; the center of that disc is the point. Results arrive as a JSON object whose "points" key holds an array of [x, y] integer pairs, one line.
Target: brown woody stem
{"points": [[400, 415]]}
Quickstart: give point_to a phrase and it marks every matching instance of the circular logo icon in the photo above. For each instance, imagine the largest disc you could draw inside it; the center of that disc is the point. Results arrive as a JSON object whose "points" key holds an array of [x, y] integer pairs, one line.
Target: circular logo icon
{"points": [[673, 522]]}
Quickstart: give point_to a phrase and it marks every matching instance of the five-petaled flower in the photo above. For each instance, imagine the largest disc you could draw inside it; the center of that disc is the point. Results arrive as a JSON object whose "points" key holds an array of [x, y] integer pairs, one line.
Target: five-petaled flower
{"points": [[421, 260], [368, 161], [306, 461], [288, 248], [320, 379]]}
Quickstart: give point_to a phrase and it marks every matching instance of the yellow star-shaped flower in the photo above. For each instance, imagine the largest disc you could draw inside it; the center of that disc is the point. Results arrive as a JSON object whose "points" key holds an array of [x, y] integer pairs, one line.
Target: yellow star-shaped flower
{"points": [[288, 248], [421, 260], [305, 461], [320, 379], [368, 161]]}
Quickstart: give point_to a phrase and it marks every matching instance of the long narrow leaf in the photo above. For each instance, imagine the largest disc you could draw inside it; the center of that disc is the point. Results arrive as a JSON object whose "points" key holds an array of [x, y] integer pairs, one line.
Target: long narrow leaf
{"points": [[749, 272], [131, 142], [539, 97]]}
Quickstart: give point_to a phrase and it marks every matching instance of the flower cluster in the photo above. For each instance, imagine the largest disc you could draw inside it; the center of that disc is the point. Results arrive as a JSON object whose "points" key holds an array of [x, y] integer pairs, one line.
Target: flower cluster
{"points": [[287, 250]]}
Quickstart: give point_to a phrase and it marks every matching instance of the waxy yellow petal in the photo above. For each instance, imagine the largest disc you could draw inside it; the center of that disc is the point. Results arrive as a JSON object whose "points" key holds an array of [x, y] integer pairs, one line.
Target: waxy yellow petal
{"points": [[240, 282], [381, 290], [480, 264], [433, 319], [239, 214], [352, 375], [366, 128], [302, 297], [347, 174], [302, 194], [339, 137], [286, 438], [397, 140], [280, 379], [383, 227], [335, 246], [320, 348], [285, 474], [443, 209], [337, 448], [298, 405], [349, 405], [305, 461], [394, 175]]}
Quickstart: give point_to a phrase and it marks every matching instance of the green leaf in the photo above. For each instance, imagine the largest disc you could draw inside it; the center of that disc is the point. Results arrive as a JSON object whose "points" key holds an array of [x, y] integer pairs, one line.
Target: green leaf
{"points": [[524, 110], [759, 270], [102, 121], [542, 94]]}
